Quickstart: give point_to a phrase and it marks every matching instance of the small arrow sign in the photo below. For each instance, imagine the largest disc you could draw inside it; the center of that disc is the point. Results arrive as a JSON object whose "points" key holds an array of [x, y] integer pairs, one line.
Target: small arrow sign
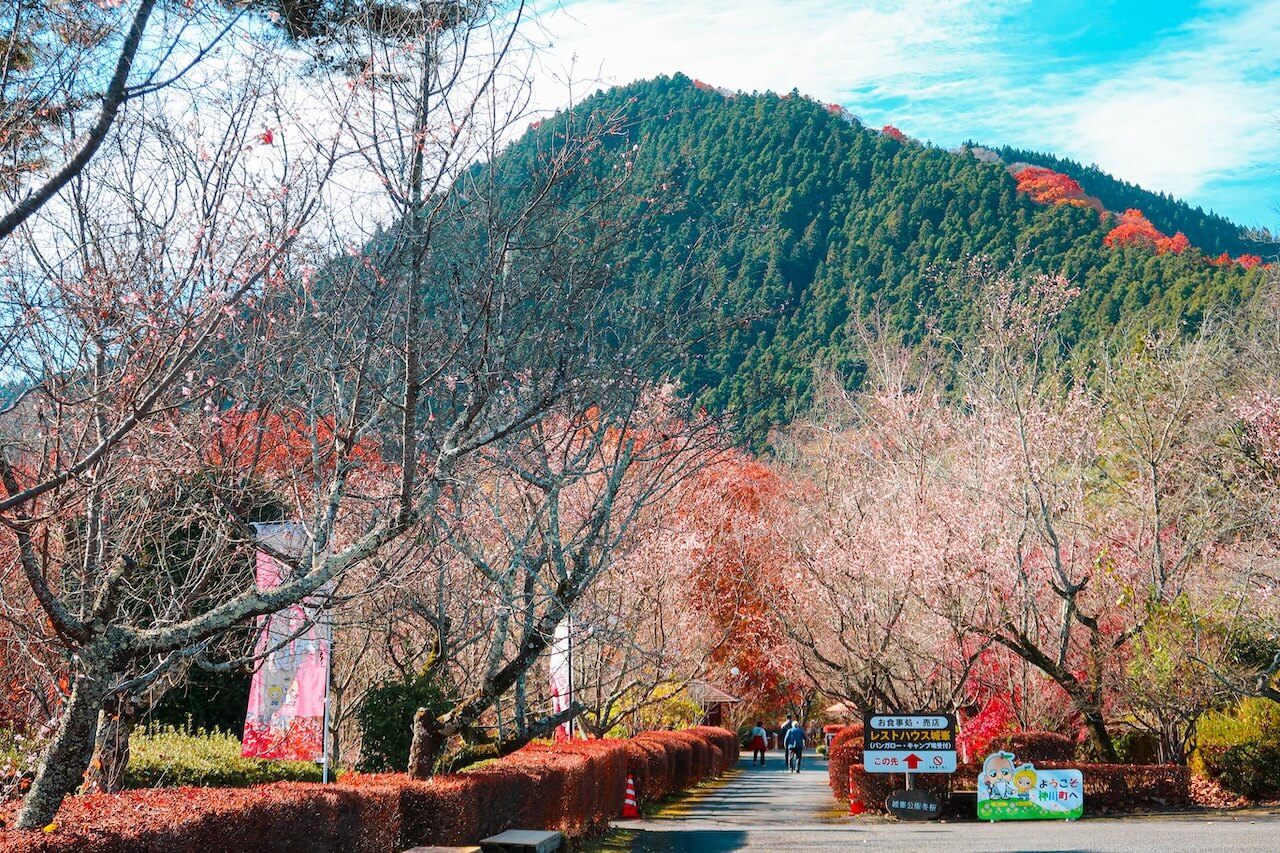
{"points": [[912, 761]]}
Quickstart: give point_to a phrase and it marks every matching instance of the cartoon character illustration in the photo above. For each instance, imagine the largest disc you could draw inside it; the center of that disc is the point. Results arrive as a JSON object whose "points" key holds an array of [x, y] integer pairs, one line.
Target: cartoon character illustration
{"points": [[1024, 780], [997, 775]]}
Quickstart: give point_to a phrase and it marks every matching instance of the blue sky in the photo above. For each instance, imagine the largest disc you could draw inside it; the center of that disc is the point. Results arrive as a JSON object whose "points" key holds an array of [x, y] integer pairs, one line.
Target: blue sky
{"points": [[1180, 97]]}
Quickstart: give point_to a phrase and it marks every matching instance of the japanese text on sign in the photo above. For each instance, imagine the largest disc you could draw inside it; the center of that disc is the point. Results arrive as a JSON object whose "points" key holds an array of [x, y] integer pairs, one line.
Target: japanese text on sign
{"points": [[896, 721]]}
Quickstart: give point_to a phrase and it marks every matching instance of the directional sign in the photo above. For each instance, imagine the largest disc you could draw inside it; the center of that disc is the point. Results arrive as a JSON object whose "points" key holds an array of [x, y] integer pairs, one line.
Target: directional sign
{"points": [[909, 743]]}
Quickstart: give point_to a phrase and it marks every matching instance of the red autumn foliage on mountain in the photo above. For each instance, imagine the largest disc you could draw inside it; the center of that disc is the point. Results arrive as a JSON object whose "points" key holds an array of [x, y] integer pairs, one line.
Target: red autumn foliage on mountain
{"points": [[1134, 229], [891, 131], [1247, 262], [1045, 186], [1175, 245]]}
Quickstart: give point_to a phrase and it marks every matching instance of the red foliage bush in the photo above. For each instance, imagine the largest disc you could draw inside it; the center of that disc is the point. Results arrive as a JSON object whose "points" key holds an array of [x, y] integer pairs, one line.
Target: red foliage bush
{"points": [[874, 788], [1107, 787], [572, 787], [1124, 787], [1034, 747], [845, 752]]}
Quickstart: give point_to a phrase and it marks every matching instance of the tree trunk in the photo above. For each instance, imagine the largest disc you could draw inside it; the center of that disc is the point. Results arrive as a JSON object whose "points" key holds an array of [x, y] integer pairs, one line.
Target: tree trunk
{"points": [[503, 748], [1101, 737], [116, 722], [62, 767], [428, 744]]}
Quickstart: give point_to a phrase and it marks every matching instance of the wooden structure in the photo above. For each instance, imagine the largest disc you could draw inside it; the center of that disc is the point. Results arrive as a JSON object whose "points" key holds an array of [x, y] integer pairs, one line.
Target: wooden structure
{"points": [[717, 705]]}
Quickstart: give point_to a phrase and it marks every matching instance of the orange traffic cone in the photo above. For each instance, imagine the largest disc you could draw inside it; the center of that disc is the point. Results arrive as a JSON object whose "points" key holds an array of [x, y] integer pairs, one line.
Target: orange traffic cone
{"points": [[856, 806], [629, 809]]}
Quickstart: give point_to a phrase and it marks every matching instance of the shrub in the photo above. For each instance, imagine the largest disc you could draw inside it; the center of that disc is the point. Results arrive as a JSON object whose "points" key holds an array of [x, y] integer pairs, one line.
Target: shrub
{"points": [[572, 787], [874, 788], [172, 757], [1034, 746], [1122, 787], [846, 752], [1137, 747], [385, 718], [1240, 748]]}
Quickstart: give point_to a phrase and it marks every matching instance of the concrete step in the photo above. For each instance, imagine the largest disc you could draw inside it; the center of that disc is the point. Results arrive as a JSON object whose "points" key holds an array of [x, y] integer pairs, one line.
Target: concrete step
{"points": [[522, 841]]}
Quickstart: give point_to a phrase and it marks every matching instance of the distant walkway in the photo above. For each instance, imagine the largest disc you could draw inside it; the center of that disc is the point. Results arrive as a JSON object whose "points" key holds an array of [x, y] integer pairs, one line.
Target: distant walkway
{"points": [[773, 810]]}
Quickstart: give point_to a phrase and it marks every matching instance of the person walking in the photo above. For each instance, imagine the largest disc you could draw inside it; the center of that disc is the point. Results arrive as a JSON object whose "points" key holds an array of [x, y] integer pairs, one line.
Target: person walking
{"points": [[759, 743], [793, 741]]}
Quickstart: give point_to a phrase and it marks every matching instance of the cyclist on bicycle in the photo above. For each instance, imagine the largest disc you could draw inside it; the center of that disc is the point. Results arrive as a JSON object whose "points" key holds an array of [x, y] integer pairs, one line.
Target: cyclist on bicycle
{"points": [[794, 743]]}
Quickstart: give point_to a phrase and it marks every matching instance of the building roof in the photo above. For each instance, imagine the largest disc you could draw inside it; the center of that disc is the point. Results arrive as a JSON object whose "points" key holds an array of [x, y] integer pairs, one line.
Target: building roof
{"points": [[705, 694]]}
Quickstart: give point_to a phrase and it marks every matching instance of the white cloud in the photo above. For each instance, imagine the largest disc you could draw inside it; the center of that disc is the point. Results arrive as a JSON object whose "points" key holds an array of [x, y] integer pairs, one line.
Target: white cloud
{"points": [[824, 48], [1199, 108]]}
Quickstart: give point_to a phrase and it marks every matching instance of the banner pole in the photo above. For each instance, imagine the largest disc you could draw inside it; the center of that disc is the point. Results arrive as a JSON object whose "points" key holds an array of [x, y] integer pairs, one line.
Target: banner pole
{"points": [[328, 676], [570, 638]]}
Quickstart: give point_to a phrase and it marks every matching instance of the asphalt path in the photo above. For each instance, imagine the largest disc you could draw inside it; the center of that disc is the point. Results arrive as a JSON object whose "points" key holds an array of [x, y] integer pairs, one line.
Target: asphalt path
{"points": [[771, 809]]}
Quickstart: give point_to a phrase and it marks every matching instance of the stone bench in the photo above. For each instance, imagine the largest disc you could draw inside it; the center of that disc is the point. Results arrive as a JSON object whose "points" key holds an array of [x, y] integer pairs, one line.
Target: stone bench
{"points": [[522, 841]]}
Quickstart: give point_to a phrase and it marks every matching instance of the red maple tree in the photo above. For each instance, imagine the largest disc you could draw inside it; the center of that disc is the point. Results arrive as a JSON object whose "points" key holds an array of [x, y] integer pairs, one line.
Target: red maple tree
{"points": [[891, 131], [1045, 186], [1133, 229]]}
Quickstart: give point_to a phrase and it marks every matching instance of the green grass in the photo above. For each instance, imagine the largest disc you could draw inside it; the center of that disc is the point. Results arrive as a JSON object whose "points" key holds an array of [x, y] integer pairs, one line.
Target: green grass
{"points": [[170, 757], [613, 841]]}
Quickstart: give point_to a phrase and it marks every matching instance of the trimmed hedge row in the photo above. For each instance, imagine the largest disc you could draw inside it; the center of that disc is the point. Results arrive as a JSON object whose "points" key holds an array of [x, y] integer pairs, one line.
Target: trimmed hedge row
{"points": [[845, 752], [1121, 787], [572, 787]]}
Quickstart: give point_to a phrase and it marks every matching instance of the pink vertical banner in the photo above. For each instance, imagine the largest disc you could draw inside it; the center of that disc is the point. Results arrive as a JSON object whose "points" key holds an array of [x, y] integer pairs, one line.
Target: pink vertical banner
{"points": [[285, 719], [561, 666]]}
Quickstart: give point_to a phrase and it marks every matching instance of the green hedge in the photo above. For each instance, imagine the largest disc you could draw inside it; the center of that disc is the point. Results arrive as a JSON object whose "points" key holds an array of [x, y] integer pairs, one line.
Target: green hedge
{"points": [[167, 756]]}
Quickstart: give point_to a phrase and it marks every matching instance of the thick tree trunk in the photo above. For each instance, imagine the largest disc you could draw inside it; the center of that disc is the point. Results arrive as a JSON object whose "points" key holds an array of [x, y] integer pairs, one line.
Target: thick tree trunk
{"points": [[504, 747], [428, 744], [1101, 737], [62, 767], [111, 751]]}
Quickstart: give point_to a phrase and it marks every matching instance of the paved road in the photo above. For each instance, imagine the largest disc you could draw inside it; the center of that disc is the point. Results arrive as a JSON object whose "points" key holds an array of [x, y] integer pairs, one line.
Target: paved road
{"points": [[772, 810]]}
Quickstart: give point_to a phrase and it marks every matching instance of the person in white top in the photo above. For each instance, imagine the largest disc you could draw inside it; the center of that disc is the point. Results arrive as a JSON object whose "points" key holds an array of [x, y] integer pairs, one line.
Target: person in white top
{"points": [[759, 743]]}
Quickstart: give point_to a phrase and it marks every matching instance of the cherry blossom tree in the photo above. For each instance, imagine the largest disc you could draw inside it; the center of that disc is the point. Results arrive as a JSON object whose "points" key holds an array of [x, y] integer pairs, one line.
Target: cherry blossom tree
{"points": [[878, 539], [186, 324], [544, 519]]}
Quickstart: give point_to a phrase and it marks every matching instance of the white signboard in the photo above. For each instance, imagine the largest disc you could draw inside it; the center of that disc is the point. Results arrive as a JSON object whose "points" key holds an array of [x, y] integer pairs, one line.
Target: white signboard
{"points": [[909, 743]]}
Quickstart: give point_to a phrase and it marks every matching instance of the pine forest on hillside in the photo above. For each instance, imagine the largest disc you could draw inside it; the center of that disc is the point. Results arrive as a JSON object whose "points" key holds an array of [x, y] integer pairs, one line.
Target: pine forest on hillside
{"points": [[811, 219]]}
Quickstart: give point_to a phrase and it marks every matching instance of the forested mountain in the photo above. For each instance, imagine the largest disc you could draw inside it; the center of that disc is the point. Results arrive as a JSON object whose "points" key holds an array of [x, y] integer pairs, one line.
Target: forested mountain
{"points": [[806, 219]]}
